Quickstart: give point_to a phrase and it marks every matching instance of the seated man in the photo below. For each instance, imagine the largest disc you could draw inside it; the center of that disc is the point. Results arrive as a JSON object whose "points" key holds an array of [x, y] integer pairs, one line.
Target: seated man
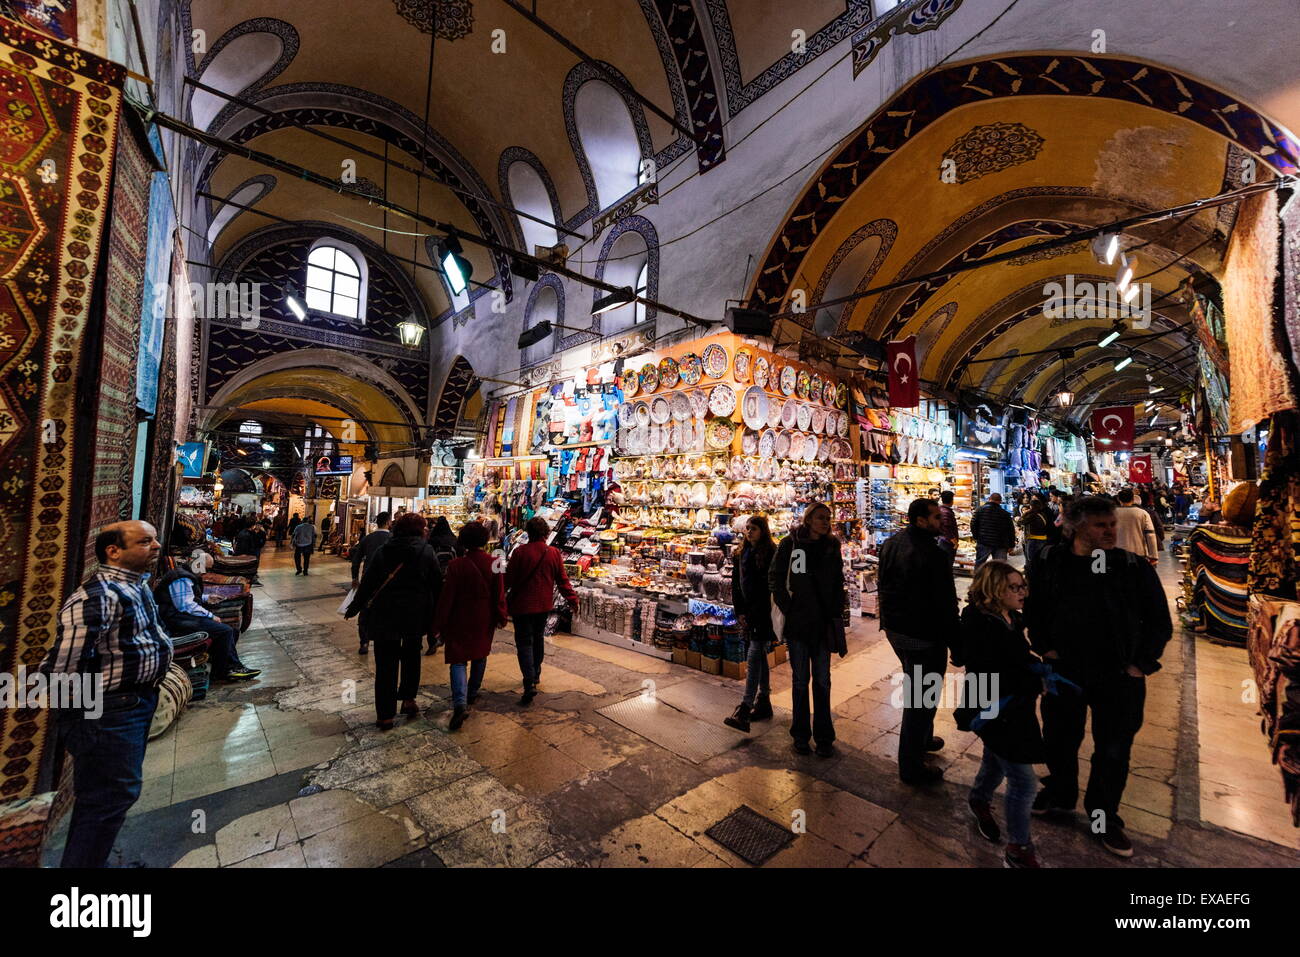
{"points": [[178, 594]]}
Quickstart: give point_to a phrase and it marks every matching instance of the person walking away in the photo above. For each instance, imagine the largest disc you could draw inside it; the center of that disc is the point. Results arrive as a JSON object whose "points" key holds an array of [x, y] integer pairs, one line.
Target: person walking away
{"points": [[1134, 531], [471, 608], [993, 530], [304, 542], [398, 593], [366, 549], [948, 534], [178, 595], [279, 529], [443, 540], [533, 574], [293, 523], [110, 627], [1037, 525], [918, 613], [325, 524], [999, 702], [1149, 505], [752, 596], [807, 582], [1099, 616]]}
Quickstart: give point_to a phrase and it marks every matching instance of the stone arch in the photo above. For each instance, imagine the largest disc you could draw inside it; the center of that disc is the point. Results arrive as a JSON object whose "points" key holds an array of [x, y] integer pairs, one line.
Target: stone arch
{"points": [[460, 384]]}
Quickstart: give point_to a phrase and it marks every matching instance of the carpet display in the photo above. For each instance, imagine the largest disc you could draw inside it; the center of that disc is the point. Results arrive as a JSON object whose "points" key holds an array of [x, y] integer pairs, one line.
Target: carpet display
{"points": [[1274, 649], [57, 145], [158, 487], [1215, 583], [119, 345], [1275, 553]]}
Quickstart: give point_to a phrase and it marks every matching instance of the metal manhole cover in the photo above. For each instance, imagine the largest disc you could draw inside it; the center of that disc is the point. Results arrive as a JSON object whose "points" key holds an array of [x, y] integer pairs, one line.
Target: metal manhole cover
{"points": [[750, 836]]}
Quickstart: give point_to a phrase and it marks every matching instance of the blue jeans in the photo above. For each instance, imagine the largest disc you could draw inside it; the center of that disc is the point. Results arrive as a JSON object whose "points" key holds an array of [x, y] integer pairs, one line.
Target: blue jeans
{"points": [[108, 755], [756, 678], [811, 662], [1032, 548], [983, 553], [461, 689], [1021, 786], [530, 646]]}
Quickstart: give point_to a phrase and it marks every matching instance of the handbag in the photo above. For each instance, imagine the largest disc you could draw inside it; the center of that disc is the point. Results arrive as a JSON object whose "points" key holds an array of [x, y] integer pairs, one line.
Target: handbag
{"points": [[778, 616], [391, 576]]}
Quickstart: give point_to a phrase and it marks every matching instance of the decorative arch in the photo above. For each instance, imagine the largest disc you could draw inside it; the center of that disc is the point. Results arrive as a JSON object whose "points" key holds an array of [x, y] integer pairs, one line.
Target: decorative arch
{"points": [[289, 43], [552, 282], [692, 58], [246, 193], [460, 384], [887, 231], [638, 224], [580, 75], [518, 154]]}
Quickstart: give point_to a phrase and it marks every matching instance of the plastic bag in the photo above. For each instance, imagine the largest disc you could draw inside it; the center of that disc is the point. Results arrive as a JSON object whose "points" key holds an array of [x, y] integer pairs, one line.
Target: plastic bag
{"points": [[343, 608]]}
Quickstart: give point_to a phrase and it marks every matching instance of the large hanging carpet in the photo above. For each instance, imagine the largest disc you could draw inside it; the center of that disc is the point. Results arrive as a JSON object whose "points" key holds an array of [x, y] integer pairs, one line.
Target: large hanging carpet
{"points": [[60, 109], [163, 454], [119, 342]]}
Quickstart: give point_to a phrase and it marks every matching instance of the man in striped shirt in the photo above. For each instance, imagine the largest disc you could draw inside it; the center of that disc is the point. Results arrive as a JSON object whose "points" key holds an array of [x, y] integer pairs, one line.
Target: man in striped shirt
{"points": [[110, 626]]}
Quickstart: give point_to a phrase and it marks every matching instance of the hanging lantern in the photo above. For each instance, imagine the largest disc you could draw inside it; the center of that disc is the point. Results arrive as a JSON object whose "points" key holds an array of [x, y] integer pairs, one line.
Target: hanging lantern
{"points": [[1065, 398], [411, 332]]}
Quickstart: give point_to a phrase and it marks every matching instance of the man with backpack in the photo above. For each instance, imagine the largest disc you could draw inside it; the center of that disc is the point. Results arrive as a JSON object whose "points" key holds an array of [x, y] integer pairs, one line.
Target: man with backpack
{"points": [[361, 555], [1099, 615]]}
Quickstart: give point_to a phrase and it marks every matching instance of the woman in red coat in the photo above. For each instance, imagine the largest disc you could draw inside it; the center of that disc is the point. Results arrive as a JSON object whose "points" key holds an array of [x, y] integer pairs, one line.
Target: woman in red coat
{"points": [[470, 609], [535, 571]]}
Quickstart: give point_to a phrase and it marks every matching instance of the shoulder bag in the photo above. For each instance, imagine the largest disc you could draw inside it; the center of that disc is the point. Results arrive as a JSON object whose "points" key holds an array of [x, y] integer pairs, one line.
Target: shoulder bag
{"points": [[778, 616], [391, 576]]}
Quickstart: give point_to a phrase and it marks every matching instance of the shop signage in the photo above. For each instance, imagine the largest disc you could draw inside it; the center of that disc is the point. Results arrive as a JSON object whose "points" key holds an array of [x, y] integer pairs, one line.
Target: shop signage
{"points": [[982, 429], [193, 456]]}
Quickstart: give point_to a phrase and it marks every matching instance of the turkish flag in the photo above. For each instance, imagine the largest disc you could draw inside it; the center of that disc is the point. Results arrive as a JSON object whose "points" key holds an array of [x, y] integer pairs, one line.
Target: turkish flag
{"points": [[1112, 429], [904, 376], [1139, 470]]}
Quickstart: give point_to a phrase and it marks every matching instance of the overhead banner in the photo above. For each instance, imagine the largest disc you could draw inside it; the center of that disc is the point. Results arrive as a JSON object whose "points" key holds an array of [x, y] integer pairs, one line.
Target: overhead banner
{"points": [[1139, 470], [904, 377], [1112, 429]]}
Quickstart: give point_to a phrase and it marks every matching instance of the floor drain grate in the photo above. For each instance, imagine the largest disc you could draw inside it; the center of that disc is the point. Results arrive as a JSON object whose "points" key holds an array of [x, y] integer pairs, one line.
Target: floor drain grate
{"points": [[750, 836]]}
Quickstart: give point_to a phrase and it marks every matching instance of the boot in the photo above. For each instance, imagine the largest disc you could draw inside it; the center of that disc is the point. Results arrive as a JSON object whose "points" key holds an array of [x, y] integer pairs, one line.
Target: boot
{"points": [[739, 719], [762, 710]]}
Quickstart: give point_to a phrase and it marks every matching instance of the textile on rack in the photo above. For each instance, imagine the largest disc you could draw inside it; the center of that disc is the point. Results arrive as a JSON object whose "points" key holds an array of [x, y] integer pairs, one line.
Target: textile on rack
{"points": [[1216, 567], [1274, 650], [1275, 536], [62, 104], [1262, 380], [1291, 277], [113, 466], [159, 483]]}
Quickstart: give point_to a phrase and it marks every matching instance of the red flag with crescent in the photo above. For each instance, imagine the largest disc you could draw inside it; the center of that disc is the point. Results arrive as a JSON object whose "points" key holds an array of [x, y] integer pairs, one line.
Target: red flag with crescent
{"points": [[1139, 470], [904, 376], [1112, 429]]}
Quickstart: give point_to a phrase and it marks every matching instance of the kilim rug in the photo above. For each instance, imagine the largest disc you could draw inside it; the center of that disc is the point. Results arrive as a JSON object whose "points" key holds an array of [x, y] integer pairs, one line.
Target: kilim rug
{"points": [[115, 375], [60, 109], [158, 491]]}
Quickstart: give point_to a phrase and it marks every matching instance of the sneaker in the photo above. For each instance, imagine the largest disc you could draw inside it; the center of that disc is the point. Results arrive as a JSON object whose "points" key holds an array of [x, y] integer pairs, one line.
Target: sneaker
{"points": [[1116, 841], [983, 814], [936, 744], [1020, 855], [242, 674], [457, 719], [826, 750], [926, 775], [1044, 805], [801, 747]]}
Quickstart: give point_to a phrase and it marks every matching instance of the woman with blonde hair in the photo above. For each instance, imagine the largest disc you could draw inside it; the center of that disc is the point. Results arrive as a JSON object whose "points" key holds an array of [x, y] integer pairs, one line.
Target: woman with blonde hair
{"points": [[999, 703]]}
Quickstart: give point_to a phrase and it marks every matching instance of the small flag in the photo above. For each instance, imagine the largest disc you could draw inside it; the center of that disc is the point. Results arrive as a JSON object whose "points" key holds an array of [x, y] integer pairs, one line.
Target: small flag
{"points": [[1139, 470]]}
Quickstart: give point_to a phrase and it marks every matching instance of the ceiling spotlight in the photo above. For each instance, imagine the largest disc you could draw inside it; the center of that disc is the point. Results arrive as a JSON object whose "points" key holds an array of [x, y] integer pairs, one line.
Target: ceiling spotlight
{"points": [[1153, 418], [1116, 330], [295, 306], [1150, 376], [268, 447], [530, 337], [1125, 274], [456, 269], [615, 299], [1155, 389], [1169, 441], [1124, 363], [1106, 247], [1131, 293]]}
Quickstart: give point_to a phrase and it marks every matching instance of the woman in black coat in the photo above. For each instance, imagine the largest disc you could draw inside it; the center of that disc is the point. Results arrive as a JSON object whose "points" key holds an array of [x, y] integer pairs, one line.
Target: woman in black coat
{"points": [[807, 582], [399, 593], [999, 703], [752, 597]]}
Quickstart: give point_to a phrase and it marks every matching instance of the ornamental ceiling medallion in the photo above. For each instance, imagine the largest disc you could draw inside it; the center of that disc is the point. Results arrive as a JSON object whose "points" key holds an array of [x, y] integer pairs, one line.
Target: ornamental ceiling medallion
{"points": [[992, 148], [455, 17]]}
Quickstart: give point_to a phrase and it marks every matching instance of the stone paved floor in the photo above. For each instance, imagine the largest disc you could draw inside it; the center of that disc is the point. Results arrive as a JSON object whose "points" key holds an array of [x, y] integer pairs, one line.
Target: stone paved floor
{"points": [[289, 771]]}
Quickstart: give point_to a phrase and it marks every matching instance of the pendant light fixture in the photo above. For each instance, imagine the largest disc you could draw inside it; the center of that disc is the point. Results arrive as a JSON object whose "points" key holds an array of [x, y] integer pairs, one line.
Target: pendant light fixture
{"points": [[1065, 397]]}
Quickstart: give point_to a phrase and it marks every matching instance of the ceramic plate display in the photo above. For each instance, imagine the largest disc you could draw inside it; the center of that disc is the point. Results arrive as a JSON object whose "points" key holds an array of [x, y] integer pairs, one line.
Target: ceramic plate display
{"points": [[749, 442], [824, 451], [802, 384], [674, 437], [681, 406], [809, 447], [842, 424], [841, 395], [762, 372], [789, 379], [767, 464], [782, 447], [658, 438], [699, 402], [803, 416], [626, 414], [742, 366], [715, 361], [754, 407], [766, 447], [690, 369], [774, 406], [789, 412], [814, 389], [660, 410], [668, 373], [722, 400], [796, 446], [643, 413], [718, 433], [649, 377], [631, 383], [818, 420]]}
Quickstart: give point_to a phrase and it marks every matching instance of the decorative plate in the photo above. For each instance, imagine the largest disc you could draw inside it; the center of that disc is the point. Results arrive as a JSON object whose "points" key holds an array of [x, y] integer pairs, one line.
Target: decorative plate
{"points": [[681, 406], [669, 375], [742, 366], [631, 383], [809, 447], [796, 446], [715, 360], [719, 432], [660, 410], [824, 451], [814, 389], [842, 424], [754, 407], [643, 413], [782, 447], [767, 464], [699, 402], [626, 414], [675, 437], [658, 438], [749, 442], [841, 395], [789, 378], [818, 420], [690, 368], [803, 415], [774, 406], [649, 377], [722, 400], [803, 384], [789, 412], [762, 372], [766, 446]]}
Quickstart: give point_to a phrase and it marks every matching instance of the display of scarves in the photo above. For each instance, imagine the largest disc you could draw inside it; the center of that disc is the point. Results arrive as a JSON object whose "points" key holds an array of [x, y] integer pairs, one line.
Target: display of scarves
{"points": [[61, 108]]}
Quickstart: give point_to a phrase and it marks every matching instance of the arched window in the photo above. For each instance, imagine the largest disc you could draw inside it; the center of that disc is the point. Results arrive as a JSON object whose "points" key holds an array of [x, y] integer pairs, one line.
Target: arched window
{"points": [[528, 194], [250, 433], [545, 307], [609, 141], [627, 264], [336, 280]]}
